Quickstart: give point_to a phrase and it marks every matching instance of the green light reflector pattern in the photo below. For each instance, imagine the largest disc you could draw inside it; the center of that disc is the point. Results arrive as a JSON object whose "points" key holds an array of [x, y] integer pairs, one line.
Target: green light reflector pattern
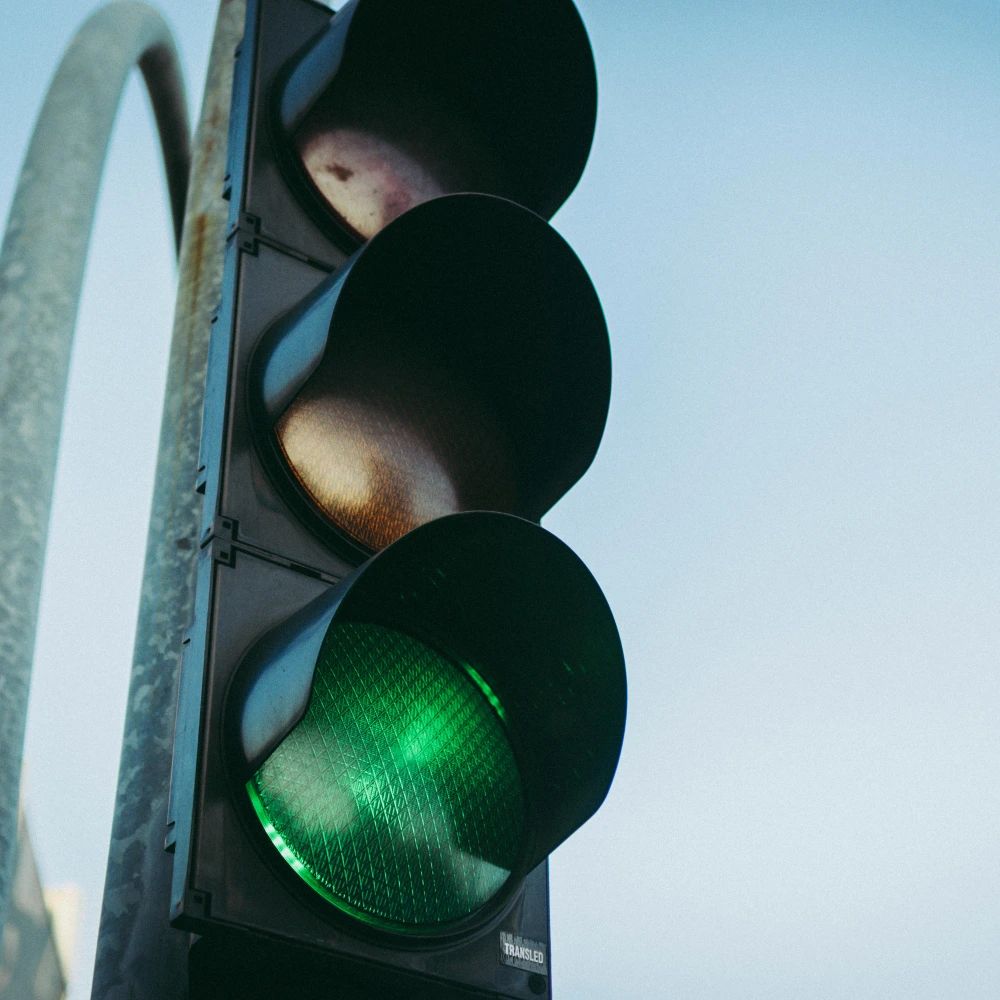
{"points": [[397, 797]]}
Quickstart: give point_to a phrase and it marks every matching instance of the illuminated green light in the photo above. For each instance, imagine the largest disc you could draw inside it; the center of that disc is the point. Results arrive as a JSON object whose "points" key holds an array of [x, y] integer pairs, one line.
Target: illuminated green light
{"points": [[487, 690], [397, 797]]}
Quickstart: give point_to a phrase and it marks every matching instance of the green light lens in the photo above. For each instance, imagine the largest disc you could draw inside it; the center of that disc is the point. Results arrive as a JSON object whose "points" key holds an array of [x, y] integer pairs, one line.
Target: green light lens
{"points": [[397, 797]]}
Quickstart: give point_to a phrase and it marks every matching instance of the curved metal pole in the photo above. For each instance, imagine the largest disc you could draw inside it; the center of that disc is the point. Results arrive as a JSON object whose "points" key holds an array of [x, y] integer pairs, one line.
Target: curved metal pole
{"points": [[139, 957], [41, 271]]}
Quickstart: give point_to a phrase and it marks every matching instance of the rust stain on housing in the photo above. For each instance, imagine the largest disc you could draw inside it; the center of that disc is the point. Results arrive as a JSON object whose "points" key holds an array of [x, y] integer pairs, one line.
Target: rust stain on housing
{"points": [[340, 172], [196, 261]]}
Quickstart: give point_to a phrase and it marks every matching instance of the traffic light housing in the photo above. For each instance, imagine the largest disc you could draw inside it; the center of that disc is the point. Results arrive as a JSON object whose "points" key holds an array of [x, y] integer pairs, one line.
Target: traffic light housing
{"points": [[399, 693]]}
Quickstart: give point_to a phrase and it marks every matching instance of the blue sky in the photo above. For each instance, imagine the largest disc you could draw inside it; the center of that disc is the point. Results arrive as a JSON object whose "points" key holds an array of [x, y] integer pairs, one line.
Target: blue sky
{"points": [[791, 216]]}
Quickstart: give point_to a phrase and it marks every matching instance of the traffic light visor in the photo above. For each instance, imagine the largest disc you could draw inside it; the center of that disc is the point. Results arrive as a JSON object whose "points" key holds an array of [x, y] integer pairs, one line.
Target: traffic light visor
{"points": [[408, 754], [481, 382], [394, 104]]}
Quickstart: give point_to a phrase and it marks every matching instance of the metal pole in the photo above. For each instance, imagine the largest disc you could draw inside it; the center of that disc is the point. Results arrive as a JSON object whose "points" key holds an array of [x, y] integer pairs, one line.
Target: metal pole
{"points": [[138, 956], [41, 271]]}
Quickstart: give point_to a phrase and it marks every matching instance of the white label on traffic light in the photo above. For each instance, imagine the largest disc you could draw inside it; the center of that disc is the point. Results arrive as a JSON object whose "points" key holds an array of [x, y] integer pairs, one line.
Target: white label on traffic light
{"points": [[522, 953]]}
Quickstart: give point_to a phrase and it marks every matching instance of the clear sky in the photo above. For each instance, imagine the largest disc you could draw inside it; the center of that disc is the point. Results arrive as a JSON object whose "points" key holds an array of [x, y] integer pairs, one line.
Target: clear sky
{"points": [[792, 216]]}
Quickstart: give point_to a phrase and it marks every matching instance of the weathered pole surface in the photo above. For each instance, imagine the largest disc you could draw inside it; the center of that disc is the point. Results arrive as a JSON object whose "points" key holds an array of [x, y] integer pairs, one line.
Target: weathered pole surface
{"points": [[138, 956], [41, 271]]}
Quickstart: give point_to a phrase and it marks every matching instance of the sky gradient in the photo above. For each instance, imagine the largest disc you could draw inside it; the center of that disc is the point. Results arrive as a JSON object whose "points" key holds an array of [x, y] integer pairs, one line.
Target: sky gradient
{"points": [[791, 216]]}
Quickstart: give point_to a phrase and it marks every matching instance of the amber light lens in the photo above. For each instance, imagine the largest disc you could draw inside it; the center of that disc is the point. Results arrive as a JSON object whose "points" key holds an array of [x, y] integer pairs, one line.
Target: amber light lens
{"points": [[380, 452]]}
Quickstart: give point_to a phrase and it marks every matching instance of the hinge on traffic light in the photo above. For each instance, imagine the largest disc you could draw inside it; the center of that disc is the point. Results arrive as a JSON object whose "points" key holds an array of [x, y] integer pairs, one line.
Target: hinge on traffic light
{"points": [[248, 233], [223, 538], [246, 230], [220, 537]]}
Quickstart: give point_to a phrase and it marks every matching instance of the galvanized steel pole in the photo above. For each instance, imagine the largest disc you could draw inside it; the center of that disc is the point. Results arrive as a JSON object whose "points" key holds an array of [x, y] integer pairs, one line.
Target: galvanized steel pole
{"points": [[138, 956], [41, 272]]}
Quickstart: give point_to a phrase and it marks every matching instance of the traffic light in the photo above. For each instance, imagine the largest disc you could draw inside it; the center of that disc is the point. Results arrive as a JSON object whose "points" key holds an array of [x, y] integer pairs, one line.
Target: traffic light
{"points": [[399, 693]]}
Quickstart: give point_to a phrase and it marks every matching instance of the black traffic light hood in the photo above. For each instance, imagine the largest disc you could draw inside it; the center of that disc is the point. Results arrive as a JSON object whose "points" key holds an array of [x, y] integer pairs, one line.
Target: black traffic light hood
{"points": [[519, 75], [485, 295], [504, 596]]}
